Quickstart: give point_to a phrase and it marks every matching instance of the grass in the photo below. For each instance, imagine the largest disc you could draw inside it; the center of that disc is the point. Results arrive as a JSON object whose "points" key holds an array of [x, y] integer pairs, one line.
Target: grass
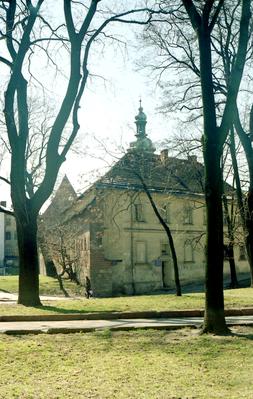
{"points": [[48, 286], [233, 298], [141, 364]]}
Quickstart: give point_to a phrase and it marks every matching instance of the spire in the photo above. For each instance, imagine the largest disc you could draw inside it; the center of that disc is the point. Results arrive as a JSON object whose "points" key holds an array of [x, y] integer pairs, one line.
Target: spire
{"points": [[143, 143], [141, 121]]}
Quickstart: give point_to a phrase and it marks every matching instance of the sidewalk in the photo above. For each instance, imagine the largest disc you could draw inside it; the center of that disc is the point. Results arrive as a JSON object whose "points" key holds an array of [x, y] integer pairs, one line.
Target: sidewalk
{"points": [[6, 297], [74, 326], [87, 322]]}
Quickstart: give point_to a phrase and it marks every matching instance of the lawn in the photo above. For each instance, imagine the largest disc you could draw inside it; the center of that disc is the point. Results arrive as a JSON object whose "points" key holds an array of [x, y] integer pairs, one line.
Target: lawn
{"points": [[141, 364], [233, 299], [48, 286]]}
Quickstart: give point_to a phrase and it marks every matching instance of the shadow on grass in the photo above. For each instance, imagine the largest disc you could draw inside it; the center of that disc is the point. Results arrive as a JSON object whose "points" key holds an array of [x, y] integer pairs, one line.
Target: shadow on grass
{"points": [[243, 335], [58, 309]]}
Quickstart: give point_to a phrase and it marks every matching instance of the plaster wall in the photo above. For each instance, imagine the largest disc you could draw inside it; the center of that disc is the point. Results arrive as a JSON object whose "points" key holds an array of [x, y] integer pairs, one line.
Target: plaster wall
{"points": [[2, 237], [123, 234]]}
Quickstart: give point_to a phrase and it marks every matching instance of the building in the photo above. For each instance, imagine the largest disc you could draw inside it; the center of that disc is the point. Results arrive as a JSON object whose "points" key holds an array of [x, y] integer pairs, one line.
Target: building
{"points": [[111, 235], [8, 243]]}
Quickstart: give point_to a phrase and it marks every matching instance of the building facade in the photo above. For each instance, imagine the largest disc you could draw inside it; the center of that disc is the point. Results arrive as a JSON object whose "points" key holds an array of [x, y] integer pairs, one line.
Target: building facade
{"points": [[8, 244], [113, 235]]}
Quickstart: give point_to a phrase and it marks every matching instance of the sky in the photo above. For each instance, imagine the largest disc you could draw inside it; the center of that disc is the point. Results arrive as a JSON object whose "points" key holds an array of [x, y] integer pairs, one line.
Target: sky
{"points": [[108, 108], [108, 111]]}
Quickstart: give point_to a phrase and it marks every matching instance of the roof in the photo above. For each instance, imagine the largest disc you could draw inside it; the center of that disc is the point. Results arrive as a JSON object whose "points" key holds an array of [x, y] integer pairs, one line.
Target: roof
{"points": [[64, 197], [159, 174]]}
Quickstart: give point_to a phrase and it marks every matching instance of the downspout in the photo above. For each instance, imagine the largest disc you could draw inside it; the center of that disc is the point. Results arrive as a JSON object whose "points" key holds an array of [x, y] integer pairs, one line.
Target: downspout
{"points": [[132, 249]]}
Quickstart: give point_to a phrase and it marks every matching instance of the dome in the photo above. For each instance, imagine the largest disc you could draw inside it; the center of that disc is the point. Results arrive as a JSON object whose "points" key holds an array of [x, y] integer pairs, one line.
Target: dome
{"points": [[143, 143], [141, 117]]}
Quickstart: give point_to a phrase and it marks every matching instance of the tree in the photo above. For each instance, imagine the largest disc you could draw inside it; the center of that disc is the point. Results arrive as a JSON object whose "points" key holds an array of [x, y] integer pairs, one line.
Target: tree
{"points": [[203, 22], [27, 31], [167, 231], [246, 206], [198, 57]]}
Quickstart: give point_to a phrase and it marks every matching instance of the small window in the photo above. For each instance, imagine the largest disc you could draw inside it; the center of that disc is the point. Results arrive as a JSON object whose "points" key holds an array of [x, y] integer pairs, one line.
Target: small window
{"points": [[7, 221], [141, 252], [204, 216], [99, 240], [165, 249], [138, 213], [8, 235], [188, 252], [8, 251], [225, 220], [188, 215], [242, 252], [226, 252], [166, 213]]}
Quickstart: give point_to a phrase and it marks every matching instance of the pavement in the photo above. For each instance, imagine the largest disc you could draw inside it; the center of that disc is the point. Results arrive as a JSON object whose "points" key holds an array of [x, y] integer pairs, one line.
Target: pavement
{"points": [[117, 321], [73, 326], [7, 297]]}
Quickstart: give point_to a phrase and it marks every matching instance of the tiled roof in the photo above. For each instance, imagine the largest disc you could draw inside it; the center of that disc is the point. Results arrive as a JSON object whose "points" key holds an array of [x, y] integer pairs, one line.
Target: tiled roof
{"points": [[186, 175]]}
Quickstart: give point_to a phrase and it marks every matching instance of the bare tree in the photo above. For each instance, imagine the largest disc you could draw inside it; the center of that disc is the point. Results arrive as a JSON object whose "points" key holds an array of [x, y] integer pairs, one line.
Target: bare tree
{"points": [[208, 96], [167, 231], [26, 30]]}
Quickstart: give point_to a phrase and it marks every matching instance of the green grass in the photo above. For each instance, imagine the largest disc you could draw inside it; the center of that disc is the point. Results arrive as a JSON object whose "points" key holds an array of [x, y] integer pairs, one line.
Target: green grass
{"points": [[142, 364], [48, 286], [233, 299]]}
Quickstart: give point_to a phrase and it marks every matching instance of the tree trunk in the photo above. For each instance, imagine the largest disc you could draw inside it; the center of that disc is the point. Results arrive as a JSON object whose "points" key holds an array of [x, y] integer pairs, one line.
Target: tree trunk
{"points": [[230, 247], [169, 235], [249, 232], [231, 258], [48, 261], [214, 320], [247, 225], [28, 261]]}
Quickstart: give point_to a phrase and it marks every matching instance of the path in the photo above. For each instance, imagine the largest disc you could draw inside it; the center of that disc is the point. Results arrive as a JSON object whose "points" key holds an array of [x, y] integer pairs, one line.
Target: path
{"points": [[7, 297], [53, 327]]}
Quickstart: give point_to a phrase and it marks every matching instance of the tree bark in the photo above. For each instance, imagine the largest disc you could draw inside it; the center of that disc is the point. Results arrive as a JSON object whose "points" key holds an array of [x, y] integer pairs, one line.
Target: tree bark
{"points": [[231, 258], [230, 247], [249, 227], [247, 207], [214, 320], [28, 260]]}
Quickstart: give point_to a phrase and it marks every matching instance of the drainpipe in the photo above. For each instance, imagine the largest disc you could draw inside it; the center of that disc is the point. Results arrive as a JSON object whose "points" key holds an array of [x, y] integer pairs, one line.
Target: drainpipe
{"points": [[132, 248]]}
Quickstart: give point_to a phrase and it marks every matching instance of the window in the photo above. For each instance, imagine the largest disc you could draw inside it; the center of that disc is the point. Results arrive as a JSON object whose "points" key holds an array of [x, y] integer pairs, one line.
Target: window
{"points": [[242, 253], [188, 251], [204, 216], [187, 216], [165, 249], [225, 220], [226, 252], [141, 252], [138, 213], [7, 221], [165, 213], [8, 251], [8, 235]]}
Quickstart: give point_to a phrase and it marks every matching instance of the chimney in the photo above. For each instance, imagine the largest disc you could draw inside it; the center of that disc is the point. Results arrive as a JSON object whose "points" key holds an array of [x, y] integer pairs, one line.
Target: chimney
{"points": [[164, 156], [192, 158]]}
